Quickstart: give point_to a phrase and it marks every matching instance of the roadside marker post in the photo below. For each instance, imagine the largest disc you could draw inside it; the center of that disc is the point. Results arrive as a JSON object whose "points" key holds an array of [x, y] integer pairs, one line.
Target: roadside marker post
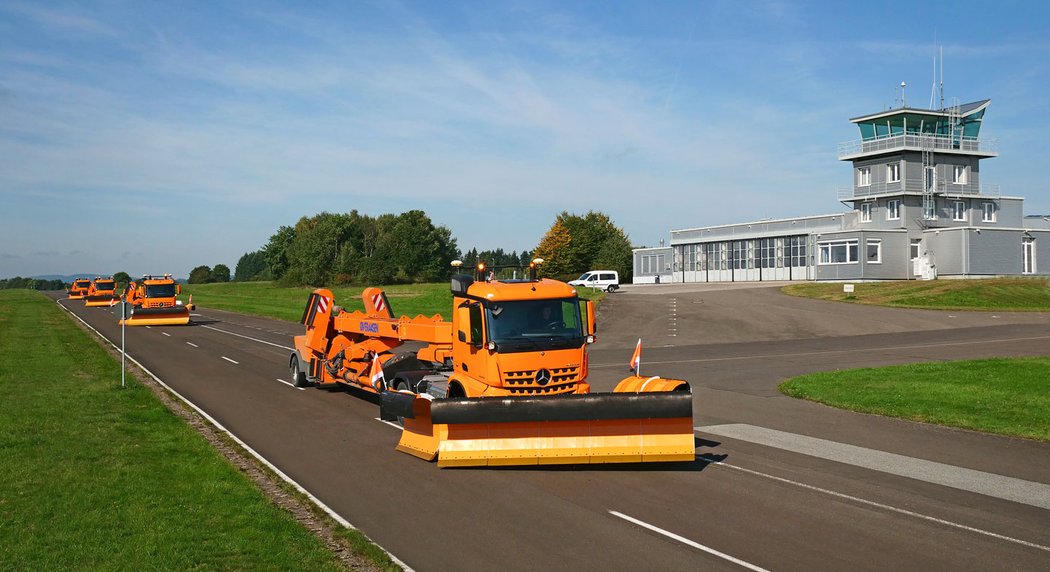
{"points": [[120, 309]]}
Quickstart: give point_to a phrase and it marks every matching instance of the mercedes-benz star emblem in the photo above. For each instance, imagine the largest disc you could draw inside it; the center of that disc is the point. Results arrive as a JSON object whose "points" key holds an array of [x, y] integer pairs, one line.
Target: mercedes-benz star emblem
{"points": [[543, 377]]}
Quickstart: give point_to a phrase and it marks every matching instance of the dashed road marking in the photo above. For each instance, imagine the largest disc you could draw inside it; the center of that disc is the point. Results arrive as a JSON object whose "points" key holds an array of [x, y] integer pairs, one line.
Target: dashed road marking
{"points": [[291, 385], [230, 360], [688, 542], [250, 338], [192, 344], [166, 334], [390, 423]]}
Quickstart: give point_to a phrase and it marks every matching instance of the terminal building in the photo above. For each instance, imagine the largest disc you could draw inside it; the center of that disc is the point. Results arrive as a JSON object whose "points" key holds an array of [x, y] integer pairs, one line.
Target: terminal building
{"points": [[918, 210]]}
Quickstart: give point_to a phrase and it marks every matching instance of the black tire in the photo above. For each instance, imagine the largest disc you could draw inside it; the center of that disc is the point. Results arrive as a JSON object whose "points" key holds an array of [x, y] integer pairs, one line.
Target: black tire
{"points": [[401, 384], [298, 376], [610, 289]]}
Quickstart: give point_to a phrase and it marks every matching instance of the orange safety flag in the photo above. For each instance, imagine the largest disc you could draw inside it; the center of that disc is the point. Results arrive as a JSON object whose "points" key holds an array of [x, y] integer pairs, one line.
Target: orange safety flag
{"points": [[636, 358], [377, 372]]}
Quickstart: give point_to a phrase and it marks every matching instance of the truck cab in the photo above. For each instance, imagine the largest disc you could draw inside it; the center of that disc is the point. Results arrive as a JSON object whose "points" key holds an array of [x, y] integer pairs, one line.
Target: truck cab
{"points": [[518, 338]]}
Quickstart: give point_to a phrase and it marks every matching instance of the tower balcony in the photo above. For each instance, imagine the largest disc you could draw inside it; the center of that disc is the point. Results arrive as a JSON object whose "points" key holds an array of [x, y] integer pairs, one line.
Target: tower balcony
{"points": [[944, 189], [981, 147]]}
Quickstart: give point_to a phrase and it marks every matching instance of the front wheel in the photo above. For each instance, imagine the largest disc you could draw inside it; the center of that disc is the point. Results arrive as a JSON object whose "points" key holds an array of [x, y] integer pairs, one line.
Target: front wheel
{"points": [[298, 376]]}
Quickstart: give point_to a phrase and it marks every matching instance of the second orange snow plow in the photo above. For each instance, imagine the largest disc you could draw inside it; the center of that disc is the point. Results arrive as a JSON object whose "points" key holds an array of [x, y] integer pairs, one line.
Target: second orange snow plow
{"points": [[502, 383], [101, 292]]}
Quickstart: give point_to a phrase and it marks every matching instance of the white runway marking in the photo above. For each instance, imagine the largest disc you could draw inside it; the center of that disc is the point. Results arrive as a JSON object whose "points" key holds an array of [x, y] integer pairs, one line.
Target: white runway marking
{"points": [[192, 344], [989, 484], [866, 350], [882, 506], [390, 423], [229, 360], [166, 334], [291, 385], [249, 338], [688, 542]]}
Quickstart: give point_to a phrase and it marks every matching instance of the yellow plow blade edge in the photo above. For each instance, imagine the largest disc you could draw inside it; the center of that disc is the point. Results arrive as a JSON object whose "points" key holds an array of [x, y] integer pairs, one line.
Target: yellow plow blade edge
{"points": [[177, 316], [574, 429]]}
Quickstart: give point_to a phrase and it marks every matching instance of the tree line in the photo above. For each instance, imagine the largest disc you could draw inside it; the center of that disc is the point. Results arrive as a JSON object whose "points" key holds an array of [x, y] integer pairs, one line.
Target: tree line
{"points": [[343, 248], [31, 284]]}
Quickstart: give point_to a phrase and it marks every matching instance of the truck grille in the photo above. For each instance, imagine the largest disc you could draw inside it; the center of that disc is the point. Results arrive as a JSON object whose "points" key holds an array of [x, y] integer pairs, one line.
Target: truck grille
{"points": [[562, 380]]}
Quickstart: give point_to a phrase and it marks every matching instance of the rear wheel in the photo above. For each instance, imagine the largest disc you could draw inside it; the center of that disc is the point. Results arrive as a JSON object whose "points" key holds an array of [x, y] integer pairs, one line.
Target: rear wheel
{"points": [[298, 376], [610, 288], [401, 385]]}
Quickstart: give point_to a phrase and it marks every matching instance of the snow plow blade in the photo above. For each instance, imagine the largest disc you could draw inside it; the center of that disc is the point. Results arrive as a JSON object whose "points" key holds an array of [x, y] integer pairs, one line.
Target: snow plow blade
{"points": [[177, 316], [526, 430], [99, 301]]}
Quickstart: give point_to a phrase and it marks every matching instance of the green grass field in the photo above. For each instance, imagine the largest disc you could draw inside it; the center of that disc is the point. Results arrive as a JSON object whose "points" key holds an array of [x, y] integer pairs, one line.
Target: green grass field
{"points": [[998, 294], [93, 476], [1004, 396], [286, 303]]}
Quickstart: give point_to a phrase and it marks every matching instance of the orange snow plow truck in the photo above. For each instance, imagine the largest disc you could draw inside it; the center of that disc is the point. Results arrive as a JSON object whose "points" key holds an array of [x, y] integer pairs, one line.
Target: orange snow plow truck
{"points": [[502, 383], [101, 292], [79, 288], [153, 303]]}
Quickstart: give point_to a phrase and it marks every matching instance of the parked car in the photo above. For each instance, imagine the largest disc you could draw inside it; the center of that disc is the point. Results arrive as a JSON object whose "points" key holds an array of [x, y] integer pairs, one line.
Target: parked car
{"points": [[608, 280]]}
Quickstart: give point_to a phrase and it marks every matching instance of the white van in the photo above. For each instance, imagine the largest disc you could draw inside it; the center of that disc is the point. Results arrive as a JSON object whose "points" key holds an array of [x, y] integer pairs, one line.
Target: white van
{"points": [[608, 280]]}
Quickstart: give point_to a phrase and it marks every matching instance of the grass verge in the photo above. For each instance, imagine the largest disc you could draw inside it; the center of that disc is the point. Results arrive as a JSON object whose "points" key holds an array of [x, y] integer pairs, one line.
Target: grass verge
{"points": [[998, 294], [95, 476], [286, 302], [1007, 396]]}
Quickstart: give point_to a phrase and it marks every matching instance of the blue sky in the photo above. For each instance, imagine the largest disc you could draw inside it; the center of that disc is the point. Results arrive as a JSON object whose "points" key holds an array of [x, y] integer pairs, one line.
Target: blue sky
{"points": [[151, 137]]}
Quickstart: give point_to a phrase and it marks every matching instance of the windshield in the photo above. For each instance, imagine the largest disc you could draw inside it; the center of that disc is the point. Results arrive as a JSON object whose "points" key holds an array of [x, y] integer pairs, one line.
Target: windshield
{"points": [[103, 285], [81, 284], [535, 324], [160, 290]]}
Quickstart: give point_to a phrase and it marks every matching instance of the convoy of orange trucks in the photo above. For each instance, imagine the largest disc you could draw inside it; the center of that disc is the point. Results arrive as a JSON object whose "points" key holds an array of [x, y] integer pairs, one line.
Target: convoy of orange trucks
{"points": [[503, 383]]}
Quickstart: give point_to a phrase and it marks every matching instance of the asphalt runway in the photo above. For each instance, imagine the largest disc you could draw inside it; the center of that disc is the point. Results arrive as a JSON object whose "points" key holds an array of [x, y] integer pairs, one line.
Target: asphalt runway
{"points": [[778, 484]]}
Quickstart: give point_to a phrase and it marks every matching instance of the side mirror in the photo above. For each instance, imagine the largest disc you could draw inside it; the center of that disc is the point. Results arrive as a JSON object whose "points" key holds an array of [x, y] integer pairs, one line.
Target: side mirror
{"points": [[591, 326], [178, 289]]}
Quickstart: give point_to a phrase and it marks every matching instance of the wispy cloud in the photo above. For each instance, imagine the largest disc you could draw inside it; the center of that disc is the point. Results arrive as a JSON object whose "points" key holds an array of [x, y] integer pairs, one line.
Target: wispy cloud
{"points": [[65, 20]]}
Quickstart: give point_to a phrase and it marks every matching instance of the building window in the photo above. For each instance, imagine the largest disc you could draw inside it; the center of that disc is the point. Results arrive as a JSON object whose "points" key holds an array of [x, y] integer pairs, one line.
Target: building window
{"points": [[893, 210], [767, 250], [865, 212], [873, 253], [796, 250], [893, 173], [959, 175], [989, 213], [864, 176], [958, 210], [839, 251]]}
